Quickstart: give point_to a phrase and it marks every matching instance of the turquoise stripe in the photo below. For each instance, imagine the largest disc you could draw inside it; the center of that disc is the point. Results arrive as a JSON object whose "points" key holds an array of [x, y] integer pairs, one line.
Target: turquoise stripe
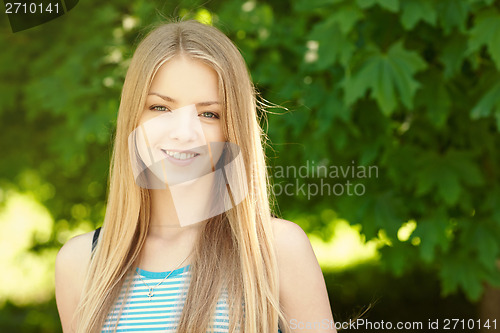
{"points": [[138, 329], [153, 282], [144, 299], [147, 312], [175, 297], [146, 324], [162, 287], [138, 282], [150, 307], [162, 275]]}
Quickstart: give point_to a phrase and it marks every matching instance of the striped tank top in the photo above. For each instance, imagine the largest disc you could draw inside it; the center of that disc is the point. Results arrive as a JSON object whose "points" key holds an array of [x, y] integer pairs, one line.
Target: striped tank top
{"points": [[161, 312]]}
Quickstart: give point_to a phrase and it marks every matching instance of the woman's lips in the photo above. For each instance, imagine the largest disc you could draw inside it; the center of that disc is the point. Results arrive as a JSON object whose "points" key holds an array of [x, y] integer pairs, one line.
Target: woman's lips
{"points": [[181, 158]]}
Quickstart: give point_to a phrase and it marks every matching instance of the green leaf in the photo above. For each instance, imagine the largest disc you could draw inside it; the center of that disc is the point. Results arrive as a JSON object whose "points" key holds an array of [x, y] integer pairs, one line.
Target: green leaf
{"points": [[488, 104], [397, 258], [446, 174], [462, 271], [380, 213], [391, 5], [297, 120], [333, 108], [487, 246], [311, 5], [314, 94], [333, 44], [452, 13], [418, 10], [434, 97], [346, 17], [470, 277], [486, 31], [449, 187], [467, 170], [370, 152], [356, 85], [453, 55], [431, 170], [433, 234], [386, 75], [402, 165], [426, 178]]}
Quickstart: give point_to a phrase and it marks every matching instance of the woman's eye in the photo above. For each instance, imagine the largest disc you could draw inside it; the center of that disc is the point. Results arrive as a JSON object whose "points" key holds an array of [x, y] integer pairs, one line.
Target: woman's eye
{"points": [[210, 115], [159, 108]]}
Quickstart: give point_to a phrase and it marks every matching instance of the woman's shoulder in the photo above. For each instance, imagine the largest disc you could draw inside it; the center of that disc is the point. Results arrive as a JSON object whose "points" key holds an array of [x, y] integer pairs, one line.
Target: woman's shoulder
{"points": [[302, 287], [294, 251], [70, 270], [78, 247], [73, 258], [289, 235], [293, 248]]}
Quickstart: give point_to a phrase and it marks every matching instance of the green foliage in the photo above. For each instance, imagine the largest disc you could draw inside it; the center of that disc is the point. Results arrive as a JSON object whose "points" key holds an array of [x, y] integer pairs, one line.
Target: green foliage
{"points": [[411, 87], [387, 76], [486, 32]]}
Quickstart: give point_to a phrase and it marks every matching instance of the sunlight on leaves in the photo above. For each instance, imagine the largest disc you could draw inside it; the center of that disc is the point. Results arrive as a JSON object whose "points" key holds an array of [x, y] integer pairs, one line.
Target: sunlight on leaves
{"points": [[347, 248], [28, 276]]}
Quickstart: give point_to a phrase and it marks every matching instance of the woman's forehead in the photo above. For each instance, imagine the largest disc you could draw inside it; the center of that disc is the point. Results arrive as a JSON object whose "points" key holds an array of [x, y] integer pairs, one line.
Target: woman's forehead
{"points": [[183, 79]]}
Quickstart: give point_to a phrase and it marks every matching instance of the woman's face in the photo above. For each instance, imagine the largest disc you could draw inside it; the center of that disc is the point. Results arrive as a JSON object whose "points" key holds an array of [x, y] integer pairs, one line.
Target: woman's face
{"points": [[184, 81], [180, 134]]}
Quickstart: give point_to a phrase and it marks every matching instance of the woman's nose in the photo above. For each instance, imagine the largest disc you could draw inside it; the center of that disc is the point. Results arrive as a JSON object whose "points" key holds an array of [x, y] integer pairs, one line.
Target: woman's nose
{"points": [[185, 126]]}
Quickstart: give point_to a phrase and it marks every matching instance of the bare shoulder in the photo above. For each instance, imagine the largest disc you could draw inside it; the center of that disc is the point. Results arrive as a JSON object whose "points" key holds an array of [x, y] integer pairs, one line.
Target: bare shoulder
{"points": [[76, 251], [73, 258], [303, 293], [289, 236], [70, 270], [293, 248]]}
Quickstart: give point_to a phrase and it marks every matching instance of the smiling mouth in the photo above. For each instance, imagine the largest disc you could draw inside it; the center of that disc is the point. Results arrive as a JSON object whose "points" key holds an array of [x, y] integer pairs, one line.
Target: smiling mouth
{"points": [[180, 155]]}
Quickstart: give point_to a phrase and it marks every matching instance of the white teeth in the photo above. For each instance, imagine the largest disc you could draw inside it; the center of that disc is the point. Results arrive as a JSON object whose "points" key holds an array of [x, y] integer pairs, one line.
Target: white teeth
{"points": [[179, 156]]}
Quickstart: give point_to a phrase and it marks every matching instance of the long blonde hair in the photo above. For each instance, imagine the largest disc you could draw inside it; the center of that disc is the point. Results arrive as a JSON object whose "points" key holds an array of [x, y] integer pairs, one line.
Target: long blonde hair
{"points": [[235, 249]]}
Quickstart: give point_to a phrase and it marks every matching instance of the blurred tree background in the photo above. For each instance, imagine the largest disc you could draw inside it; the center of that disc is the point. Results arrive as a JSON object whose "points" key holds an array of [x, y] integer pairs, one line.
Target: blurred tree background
{"points": [[408, 89]]}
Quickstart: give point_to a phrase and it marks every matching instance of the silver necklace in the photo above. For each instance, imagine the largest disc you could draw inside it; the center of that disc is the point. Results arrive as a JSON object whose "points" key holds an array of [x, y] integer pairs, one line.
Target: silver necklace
{"points": [[151, 289]]}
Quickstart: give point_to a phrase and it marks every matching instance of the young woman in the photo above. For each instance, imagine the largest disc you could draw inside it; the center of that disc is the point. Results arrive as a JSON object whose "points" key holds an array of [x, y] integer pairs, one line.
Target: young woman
{"points": [[162, 261]]}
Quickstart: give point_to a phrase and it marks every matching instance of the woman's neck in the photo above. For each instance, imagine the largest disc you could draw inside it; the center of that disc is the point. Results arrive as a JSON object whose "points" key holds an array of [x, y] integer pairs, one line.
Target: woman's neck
{"points": [[167, 242], [164, 221]]}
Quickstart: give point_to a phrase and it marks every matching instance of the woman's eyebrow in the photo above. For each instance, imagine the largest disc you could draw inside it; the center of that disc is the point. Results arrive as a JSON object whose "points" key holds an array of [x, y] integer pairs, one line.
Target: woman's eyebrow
{"points": [[170, 99], [166, 98], [207, 103]]}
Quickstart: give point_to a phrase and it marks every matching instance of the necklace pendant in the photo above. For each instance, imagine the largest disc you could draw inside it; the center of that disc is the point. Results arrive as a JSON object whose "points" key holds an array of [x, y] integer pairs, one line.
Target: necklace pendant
{"points": [[150, 293]]}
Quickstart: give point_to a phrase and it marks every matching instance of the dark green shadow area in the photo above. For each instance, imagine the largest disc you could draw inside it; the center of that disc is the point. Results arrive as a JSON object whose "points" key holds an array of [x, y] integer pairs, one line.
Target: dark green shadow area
{"points": [[40, 318], [413, 297]]}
